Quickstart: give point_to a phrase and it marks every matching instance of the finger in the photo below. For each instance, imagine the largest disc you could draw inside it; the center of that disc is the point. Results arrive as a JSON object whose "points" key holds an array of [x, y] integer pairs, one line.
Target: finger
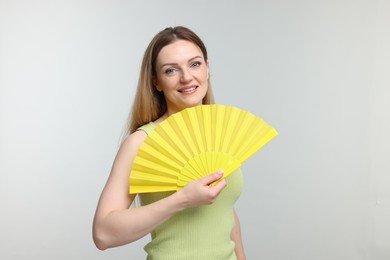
{"points": [[211, 178], [219, 186]]}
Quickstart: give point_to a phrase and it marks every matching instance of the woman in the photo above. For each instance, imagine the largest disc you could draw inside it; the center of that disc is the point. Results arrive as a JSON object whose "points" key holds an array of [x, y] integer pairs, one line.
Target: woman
{"points": [[197, 222]]}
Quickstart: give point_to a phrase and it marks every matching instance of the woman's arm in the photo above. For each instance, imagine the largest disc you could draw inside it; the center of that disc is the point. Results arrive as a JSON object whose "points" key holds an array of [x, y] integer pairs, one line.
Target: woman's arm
{"points": [[236, 237], [115, 224]]}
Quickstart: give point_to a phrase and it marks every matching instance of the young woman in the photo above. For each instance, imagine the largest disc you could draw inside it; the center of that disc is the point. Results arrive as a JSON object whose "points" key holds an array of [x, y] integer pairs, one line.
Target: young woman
{"points": [[197, 222]]}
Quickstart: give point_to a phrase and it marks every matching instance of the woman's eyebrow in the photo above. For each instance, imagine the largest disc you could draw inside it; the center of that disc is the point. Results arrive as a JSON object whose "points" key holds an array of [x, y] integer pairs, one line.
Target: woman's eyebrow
{"points": [[174, 63], [196, 57]]}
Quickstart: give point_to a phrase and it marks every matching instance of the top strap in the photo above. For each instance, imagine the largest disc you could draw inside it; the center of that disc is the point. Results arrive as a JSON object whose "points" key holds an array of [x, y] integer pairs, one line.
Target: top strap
{"points": [[147, 128]]}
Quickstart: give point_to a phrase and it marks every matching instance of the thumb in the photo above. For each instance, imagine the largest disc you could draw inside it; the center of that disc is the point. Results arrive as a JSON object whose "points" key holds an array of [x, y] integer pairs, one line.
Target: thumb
{"points": [[209, 179]]}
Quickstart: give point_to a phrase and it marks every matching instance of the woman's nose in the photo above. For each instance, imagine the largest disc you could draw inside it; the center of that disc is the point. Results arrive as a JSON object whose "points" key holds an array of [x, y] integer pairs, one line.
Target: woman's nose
{"points": [[186, 75]]}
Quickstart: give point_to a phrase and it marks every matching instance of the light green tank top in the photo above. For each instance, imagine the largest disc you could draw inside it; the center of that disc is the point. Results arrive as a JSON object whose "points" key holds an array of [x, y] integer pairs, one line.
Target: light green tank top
{"points": [[198, 233]]}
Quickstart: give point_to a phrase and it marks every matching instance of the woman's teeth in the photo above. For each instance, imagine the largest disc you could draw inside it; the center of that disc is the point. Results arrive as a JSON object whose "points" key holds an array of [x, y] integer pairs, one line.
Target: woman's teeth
{"points": [[187, 90]]}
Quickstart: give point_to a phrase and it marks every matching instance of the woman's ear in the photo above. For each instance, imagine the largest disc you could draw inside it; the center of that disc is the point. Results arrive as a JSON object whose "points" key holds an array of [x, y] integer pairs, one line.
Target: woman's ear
{"points": [[155, 83]]}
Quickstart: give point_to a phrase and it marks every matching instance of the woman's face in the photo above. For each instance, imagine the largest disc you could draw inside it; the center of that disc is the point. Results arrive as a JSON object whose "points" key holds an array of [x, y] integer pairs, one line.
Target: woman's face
{"points": [[182, 75]]}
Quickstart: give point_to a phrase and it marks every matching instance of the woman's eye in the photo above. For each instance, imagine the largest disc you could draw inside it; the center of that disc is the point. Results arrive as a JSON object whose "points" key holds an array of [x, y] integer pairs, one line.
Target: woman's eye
{"points": [[169, 71], [196, 64]]}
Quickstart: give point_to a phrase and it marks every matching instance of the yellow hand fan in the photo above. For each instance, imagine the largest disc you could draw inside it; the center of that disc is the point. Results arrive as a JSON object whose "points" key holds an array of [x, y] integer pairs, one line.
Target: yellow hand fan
{"points": [[194, 143]]}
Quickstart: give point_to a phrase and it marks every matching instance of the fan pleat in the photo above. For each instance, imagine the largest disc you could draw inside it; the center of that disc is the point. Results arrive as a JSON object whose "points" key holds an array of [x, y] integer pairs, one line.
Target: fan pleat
{"points": [[184, 141], [194, 143], [159, 158], [195, 149], [208, 133], [240, 134], [161, 142], [229, 128], [265, 138], [139, 186], [218, 125], [169, 134], [147, 166], [150, 176], [253, 133]]}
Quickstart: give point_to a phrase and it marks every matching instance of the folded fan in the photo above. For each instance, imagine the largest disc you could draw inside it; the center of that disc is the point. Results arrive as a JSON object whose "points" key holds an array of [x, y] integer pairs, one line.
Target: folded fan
{"points": [[194, 143]]}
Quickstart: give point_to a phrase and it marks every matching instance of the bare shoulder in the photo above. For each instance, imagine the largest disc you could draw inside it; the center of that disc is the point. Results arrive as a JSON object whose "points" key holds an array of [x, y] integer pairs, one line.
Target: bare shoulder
{"points": [[126, 154], [134, 140]]}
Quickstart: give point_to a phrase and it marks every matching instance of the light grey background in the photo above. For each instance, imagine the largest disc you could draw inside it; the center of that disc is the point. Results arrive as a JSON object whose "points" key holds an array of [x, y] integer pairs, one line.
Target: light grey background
{"points": [[318, 71]]}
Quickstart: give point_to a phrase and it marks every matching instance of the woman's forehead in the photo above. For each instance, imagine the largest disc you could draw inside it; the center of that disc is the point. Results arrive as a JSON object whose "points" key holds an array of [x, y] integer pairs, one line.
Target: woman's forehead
{"points": [[179, 51]]}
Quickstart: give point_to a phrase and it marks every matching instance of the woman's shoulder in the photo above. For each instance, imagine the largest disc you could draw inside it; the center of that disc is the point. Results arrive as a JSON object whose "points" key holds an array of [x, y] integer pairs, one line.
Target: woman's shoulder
{"points": [[134, 140]]}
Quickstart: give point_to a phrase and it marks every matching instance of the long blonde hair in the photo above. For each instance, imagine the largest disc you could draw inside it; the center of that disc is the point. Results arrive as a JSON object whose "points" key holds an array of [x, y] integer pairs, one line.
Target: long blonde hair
{"points": [[149, 104]]}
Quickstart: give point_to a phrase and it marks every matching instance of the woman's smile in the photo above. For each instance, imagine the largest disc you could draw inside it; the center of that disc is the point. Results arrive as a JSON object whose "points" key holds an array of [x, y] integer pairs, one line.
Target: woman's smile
{"points": [[188, 90]]}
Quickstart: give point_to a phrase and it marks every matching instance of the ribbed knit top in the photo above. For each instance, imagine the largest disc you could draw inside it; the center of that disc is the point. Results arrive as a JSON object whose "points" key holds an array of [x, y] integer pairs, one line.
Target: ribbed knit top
{"points": [[197, 233]]}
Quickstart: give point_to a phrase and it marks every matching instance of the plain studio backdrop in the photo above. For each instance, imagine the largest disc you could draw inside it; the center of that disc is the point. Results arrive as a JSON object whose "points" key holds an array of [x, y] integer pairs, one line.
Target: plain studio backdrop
{"points": [[318, 71]]}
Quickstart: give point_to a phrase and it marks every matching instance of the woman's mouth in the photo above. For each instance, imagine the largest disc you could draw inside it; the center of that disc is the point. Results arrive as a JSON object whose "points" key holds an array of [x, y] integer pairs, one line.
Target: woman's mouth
{"points": [[188, 90]]}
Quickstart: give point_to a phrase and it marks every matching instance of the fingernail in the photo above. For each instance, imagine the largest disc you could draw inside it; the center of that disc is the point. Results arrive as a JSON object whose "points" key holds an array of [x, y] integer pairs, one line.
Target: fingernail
{"points": [[220, 172]]}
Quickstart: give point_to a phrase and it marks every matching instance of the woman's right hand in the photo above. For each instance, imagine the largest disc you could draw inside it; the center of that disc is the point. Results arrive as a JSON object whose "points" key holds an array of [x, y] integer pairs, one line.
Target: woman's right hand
{"points": [[203, 191]]}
